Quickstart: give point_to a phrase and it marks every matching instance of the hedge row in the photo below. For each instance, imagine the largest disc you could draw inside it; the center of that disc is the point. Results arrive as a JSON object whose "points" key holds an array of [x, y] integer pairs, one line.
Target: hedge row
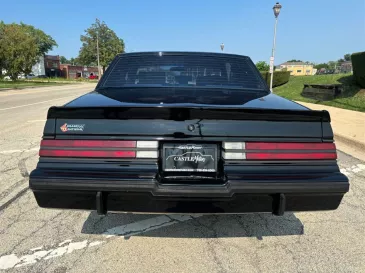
{"points": [[280, 77], [358, 66]]}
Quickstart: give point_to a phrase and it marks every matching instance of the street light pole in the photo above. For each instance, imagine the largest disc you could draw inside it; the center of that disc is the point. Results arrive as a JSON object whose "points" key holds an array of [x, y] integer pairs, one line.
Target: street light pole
{"points": [[276, 9]]}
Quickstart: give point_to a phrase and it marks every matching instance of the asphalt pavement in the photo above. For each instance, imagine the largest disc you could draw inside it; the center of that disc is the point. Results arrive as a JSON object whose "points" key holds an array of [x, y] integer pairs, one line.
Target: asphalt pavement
{"points": [[33, 239]]}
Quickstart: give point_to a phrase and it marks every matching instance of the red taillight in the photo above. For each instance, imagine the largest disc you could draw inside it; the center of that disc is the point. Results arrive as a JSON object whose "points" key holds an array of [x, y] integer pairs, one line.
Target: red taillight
{"points": [[289, 146], [280, 151], [99, 148], [83, 153], [289, 156], [89, 143]]}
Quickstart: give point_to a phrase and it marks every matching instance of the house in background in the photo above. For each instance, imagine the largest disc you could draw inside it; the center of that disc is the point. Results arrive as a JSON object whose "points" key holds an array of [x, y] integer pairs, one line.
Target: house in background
{"points": [[345, 67], [297, 68], [78, 71]]}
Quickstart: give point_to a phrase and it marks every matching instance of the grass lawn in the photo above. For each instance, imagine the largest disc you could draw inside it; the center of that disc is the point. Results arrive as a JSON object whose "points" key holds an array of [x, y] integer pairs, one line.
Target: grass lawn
{"points": [[36, 83], [352, 97]]}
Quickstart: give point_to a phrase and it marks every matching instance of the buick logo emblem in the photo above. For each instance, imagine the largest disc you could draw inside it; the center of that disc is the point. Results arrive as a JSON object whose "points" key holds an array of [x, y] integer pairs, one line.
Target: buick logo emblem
{"points": [[191, 127]]}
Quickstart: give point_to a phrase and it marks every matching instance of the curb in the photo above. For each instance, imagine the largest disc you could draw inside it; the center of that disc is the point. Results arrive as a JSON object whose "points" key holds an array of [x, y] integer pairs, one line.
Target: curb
{"points": [[350, 141]]}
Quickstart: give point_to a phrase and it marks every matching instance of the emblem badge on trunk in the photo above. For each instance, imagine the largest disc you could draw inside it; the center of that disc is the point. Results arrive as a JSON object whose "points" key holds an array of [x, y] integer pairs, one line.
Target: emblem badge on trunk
{"points": [[72, 127], [64, 127]]}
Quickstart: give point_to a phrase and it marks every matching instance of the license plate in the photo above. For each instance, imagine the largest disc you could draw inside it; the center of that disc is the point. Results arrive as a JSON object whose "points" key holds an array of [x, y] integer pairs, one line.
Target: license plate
{"points": [[190, 158]]}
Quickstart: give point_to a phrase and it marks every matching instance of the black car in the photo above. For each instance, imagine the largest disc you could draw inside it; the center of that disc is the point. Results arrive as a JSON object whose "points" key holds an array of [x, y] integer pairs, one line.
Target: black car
{"points": [[178, 132]]}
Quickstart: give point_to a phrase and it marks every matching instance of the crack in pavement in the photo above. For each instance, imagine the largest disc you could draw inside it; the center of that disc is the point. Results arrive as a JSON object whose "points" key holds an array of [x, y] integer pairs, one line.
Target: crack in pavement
{"points": [[17, 196], [25, 174], [68, 246]]}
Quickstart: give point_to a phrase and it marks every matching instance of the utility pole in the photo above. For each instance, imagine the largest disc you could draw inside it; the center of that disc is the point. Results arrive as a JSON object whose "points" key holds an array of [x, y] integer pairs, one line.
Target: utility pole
{"points": [[97, 47]]}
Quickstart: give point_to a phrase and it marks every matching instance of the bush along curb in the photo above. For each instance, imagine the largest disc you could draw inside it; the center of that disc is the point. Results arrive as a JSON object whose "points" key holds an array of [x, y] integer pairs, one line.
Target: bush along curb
{"points": [[358, 66], [280, 77]]}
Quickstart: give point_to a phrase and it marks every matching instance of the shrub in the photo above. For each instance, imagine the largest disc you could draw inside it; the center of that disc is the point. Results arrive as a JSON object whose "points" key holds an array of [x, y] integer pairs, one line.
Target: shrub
{"points": [[358, 66], [280, 77]]}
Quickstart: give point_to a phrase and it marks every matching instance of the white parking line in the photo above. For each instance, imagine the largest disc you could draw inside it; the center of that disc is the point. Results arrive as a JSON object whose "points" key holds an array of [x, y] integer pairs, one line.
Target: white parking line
{"points": [[39, 254], [24, 105]]}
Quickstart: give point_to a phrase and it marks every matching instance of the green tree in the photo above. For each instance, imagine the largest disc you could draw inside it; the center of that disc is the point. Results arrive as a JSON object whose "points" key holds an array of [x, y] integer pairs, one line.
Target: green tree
{"points": [[331, 64], [2, 59], [322, 65], [263, 66], [21, 46], [43, 41], [347, 57], [75, 61], [18, 50], [64, 60], [294, 61], [72, 61], [109, 45]]}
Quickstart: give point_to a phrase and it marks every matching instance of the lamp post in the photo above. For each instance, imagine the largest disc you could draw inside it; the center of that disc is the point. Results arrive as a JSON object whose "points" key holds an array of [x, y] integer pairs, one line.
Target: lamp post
{"points": [[222, 47], [276, 9]]}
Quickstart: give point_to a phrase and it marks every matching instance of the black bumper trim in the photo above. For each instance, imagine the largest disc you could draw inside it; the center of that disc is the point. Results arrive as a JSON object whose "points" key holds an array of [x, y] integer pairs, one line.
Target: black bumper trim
{"points": [[149, 196], [156, 189]]}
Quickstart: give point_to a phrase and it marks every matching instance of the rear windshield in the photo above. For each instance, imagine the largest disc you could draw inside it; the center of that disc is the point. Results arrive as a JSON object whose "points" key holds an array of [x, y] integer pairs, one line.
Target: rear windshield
{"points": [[183, 71]]}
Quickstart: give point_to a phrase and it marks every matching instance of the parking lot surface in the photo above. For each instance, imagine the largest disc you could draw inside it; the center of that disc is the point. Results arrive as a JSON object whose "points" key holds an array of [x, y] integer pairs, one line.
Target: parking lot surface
{"points": [[33, 239]]}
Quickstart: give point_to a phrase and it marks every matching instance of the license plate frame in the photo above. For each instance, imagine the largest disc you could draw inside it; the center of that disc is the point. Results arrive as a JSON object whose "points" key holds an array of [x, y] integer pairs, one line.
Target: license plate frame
{"points": [[190, 158]]}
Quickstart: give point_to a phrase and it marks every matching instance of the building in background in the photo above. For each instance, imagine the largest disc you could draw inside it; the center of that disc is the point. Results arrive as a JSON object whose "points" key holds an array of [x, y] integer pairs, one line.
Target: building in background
{"points": [[48, 65], [346, 67], [52, 66], [77, 71], [297, 68]]}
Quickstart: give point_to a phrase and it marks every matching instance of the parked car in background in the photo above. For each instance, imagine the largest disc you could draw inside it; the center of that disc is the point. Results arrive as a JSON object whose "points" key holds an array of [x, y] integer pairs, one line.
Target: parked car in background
{"points": [[30, 76], [93, 76], [178, 132]]}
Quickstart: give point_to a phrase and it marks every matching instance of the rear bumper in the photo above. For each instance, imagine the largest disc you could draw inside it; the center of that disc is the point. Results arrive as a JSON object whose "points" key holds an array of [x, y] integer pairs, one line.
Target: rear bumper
{"points": [[149, 196]]}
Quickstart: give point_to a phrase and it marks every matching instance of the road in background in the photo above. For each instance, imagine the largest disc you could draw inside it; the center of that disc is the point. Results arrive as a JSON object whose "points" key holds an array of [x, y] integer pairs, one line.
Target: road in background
{"points": [[22, 117], [44, 240]]}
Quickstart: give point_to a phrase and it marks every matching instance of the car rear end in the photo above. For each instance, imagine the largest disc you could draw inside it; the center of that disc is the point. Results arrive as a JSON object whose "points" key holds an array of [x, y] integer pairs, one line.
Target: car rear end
{"points": [[113, 151]]}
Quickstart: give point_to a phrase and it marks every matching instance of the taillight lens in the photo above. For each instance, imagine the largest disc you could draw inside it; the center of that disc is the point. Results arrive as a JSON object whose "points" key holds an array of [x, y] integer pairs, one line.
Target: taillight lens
{"points": [[289, 146], [89, 143], [83, 153], [99, 148], [279, 151]]}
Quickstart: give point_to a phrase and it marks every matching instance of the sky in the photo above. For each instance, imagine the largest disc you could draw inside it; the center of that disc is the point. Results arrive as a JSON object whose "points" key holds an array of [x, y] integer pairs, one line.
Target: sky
{"points": [[311, 30]]}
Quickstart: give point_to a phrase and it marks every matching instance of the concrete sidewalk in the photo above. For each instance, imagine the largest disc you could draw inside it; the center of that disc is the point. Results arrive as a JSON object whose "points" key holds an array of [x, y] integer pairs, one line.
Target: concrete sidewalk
{"points": [[348, 127]]}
